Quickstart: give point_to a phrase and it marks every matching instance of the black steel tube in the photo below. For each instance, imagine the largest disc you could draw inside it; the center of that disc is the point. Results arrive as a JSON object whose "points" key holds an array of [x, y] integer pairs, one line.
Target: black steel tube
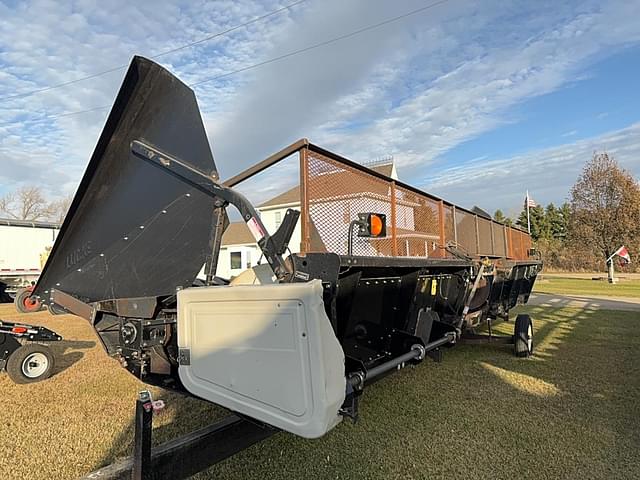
{"points": [[358, 378], [448, 338], [350, 239], [391, 364]]}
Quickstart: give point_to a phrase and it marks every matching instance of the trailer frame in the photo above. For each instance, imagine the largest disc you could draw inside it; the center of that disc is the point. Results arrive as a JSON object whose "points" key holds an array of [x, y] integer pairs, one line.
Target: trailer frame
{"points": [[32, 340], [184, 456]]}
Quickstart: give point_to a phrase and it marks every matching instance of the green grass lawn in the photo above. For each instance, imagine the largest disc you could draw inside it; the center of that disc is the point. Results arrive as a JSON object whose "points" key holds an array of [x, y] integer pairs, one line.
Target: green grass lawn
{"points": [[570, 411], [581, 286]]}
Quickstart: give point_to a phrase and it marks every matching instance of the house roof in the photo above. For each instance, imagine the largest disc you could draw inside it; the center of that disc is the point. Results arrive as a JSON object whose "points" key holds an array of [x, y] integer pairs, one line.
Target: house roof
{"points": [[338, 181], [290, 196], [237, 233]]}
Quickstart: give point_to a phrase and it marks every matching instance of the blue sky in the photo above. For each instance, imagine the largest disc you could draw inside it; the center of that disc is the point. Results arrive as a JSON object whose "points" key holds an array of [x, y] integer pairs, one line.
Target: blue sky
{"points": [[604, 98], [476, 101]]}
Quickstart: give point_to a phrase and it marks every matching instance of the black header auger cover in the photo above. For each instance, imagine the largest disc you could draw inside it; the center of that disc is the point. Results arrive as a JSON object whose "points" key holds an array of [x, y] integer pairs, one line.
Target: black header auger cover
{"points": [[133, 228]]}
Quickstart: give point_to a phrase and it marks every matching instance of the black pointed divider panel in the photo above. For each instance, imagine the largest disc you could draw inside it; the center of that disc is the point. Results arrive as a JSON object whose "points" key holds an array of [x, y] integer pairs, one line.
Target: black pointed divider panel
{"points": [[135, 229]]}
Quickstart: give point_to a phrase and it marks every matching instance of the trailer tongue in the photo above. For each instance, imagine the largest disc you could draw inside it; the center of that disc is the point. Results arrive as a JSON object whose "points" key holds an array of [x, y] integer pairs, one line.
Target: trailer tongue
{"points": [[296, 346]]}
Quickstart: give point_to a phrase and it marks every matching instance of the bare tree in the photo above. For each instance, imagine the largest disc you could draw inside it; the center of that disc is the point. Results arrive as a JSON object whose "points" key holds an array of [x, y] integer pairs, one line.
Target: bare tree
{"points": [[58, 209], [27, 203], [605, 208]]}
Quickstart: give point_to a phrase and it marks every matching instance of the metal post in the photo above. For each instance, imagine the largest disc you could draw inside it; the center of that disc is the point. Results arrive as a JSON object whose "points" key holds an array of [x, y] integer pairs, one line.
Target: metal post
{"points": [[477, 234], [143, 428], [506, 241], [441, 228], [394, 239], [493, 241], [611, 278], [455, 225], [305, 241]]}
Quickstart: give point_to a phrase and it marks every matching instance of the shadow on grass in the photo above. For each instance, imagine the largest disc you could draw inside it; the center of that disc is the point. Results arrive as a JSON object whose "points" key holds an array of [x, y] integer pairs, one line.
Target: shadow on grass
{"points": [[570, 410], [544, 299], [69, 352], [181, 415]]}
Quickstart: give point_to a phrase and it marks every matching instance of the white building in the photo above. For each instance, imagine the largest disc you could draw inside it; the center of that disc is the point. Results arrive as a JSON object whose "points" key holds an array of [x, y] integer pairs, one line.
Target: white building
{"points": [[239, 249]]}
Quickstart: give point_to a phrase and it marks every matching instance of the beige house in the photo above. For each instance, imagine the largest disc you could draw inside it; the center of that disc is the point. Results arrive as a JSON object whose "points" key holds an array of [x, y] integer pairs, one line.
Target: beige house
{"points": [[239, 249]]}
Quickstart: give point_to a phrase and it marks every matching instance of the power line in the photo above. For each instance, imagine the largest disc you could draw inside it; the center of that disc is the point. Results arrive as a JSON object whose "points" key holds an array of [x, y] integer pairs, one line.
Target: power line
{"points": [[167, 52], [274, 59], [322, 44]]}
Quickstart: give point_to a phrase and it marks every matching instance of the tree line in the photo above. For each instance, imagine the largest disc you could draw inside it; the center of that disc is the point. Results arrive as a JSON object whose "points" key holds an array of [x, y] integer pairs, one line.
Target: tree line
{"points": [[602, 214]]}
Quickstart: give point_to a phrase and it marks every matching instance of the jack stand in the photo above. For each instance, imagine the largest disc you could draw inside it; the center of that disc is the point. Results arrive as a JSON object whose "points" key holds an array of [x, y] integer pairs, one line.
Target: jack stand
{"points": [[143, 429]]}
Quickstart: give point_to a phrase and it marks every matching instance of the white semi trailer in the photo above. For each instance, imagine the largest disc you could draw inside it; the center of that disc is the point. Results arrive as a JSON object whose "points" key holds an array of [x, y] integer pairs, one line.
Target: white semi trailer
{"points": [[24, 247]]}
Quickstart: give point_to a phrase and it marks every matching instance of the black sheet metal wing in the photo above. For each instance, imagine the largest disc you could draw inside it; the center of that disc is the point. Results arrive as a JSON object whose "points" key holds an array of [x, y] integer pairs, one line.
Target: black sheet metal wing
{"points": [[133, 228]]}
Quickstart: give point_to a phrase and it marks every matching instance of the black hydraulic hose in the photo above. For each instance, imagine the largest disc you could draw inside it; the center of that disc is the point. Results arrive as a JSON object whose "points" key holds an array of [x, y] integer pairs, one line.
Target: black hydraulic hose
{"points": [[357, 379]]}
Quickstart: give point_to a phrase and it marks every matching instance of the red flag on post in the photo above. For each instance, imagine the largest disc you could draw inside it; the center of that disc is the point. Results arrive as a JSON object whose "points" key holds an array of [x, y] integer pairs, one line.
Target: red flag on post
{"points": [[624, 253]]}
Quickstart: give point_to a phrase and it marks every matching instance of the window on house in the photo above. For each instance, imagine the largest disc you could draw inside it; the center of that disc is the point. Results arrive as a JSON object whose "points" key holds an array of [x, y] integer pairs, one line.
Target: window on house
{"points": [[278, 219], [236, 260], [248, 259]]}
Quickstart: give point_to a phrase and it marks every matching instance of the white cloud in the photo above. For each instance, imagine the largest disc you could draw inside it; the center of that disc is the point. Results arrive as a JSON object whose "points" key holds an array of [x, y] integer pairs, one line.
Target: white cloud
{"points": [[548, 173]]}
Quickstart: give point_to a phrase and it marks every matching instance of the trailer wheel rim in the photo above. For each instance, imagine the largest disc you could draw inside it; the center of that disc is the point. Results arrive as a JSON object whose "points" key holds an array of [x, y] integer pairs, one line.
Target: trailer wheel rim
{"points": [[30, 304], [530, 338], [34, 365]]}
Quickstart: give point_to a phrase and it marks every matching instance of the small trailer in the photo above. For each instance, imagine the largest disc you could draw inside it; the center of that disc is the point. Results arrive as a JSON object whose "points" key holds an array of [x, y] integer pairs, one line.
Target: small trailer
{"points": [[24, 352], [386, 276], [24, 246]]}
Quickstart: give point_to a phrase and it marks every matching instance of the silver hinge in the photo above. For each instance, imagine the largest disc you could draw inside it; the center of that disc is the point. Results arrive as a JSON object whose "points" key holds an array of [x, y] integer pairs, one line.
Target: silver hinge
{"points": [[184, 356]]}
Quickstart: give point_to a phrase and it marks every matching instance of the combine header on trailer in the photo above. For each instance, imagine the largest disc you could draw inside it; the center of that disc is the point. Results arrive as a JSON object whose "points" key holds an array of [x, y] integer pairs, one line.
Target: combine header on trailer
{"points": [[386, 274]]}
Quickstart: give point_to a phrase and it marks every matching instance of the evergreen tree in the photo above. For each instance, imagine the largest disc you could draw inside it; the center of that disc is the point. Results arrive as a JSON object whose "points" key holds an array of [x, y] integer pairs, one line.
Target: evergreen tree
{"points": [[565, 213], [537, 220], [554, 223]]}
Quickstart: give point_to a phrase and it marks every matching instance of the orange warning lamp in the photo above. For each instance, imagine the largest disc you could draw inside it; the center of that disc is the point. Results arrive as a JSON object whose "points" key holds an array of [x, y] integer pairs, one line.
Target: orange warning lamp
{"points": [[372, 225]]}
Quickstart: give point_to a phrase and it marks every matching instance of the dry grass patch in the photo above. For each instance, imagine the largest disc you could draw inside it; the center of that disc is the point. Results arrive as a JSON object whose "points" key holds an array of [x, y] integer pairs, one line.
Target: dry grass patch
{"points": [[79, 419]]}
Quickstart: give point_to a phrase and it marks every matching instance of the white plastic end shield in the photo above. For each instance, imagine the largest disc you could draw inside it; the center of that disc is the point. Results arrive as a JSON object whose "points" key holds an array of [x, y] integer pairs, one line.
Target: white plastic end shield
{"points": [[266, 351]]}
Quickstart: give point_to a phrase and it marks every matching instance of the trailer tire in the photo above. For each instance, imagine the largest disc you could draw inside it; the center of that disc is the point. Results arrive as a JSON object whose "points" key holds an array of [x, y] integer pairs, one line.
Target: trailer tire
{"points": [[25, 303], [523, 336], [30, 363], [55, 309]]}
